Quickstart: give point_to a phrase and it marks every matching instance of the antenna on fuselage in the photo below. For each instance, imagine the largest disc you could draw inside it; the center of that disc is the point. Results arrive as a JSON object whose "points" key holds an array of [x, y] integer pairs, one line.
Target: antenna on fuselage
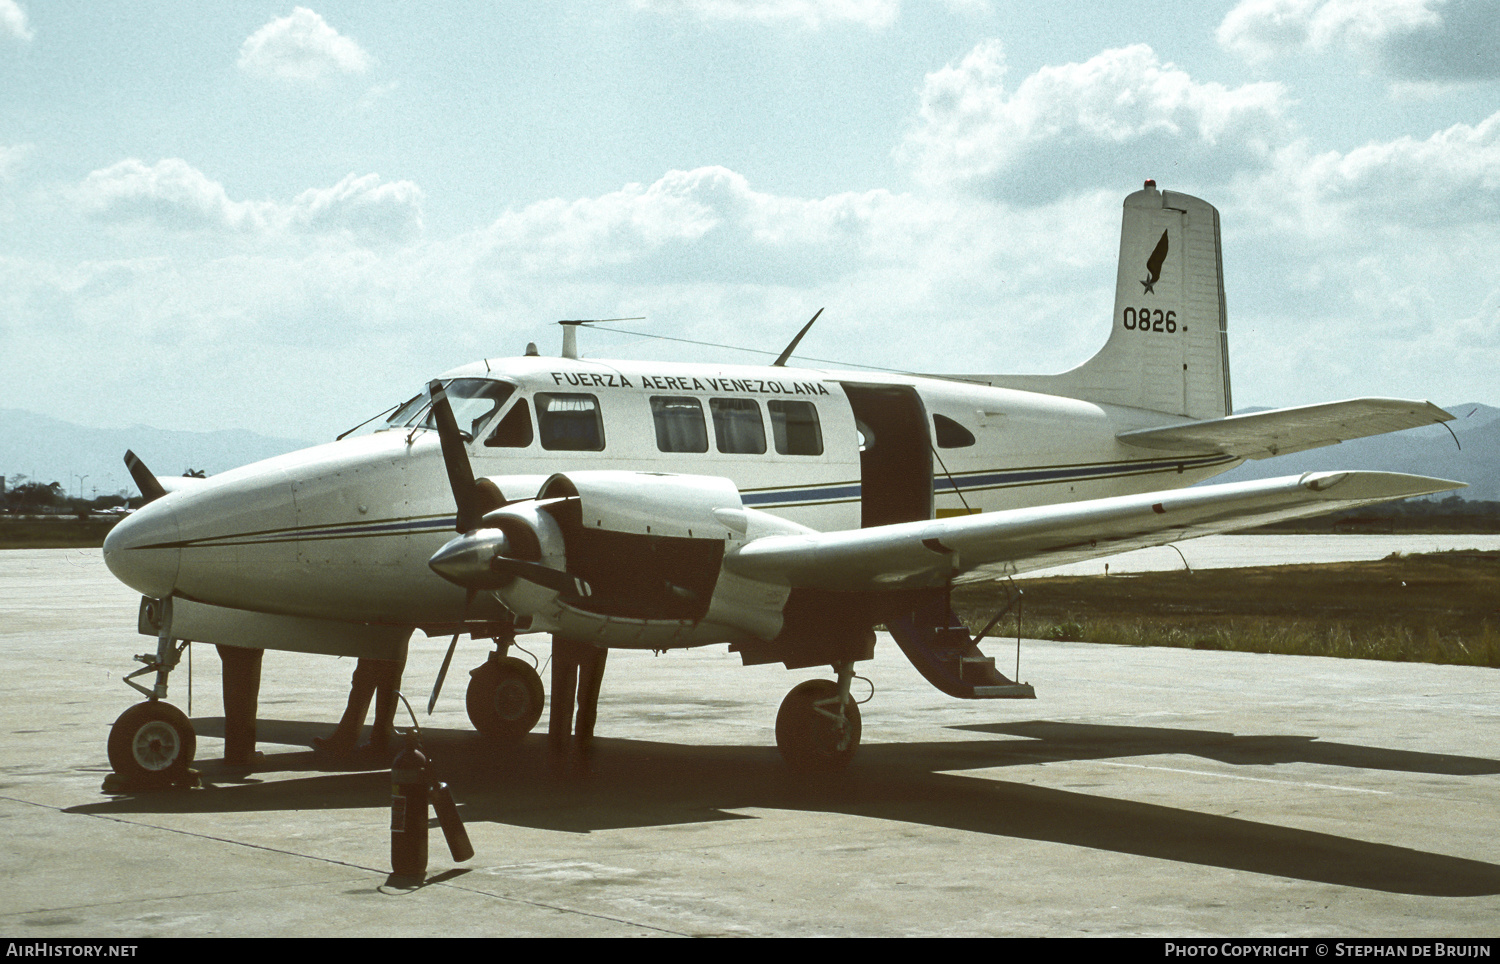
{"points": [[786, 353], [570, 332]]}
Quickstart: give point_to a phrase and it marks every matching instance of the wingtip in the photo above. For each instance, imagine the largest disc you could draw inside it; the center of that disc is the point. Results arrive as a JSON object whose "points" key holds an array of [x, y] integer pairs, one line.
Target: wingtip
{"points": [[1377, 486]]}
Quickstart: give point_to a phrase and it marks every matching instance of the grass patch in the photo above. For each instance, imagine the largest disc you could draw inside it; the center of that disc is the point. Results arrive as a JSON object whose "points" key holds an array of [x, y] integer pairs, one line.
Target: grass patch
{"points": [[68, 532], [1431, 608]]}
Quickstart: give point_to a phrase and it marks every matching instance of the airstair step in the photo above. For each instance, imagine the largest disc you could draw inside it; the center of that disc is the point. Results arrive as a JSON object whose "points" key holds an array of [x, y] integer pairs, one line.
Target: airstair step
{"points": [[944, 652]]}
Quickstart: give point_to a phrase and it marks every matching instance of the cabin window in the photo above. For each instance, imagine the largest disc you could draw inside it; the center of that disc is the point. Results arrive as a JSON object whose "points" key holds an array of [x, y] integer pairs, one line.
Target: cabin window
{"points": [[950, 434], [738, 429], [794, 427], [514, 430], [569, 422], [679, 423]]}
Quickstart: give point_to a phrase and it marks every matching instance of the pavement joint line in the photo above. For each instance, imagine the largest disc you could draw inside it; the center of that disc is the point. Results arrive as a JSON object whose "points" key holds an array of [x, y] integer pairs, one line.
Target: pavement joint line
{"points": [[190, 833], [327, 860], [1236, 776], [566, 910]]}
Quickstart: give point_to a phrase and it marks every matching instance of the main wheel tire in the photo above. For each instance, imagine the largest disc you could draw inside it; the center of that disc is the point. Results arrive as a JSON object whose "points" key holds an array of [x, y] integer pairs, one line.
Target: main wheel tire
{"points": [[505, 699], [809, 741], [152, 745]]}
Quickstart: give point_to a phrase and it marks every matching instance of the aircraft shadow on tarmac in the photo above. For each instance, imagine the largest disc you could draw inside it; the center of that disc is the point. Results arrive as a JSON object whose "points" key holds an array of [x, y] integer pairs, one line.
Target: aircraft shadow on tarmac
{"points": [[1086, 741], [631, 783]]}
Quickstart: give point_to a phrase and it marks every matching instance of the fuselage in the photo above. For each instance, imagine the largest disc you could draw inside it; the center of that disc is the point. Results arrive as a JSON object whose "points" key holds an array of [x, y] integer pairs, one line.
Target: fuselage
{"points": [[344, 531]]}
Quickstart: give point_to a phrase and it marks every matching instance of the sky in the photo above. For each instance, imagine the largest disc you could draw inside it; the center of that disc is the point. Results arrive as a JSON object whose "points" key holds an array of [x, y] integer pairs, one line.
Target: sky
{"points": [[285, 218]]}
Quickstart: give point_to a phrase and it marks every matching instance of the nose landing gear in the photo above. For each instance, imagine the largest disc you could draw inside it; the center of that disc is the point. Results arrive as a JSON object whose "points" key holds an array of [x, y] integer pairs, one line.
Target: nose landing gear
{"points": [[151, 747], [152, 744]]}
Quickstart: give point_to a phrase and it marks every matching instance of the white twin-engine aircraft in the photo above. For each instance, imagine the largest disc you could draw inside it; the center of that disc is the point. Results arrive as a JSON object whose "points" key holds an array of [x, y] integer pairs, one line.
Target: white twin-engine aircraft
{"points": [[786, 512]]}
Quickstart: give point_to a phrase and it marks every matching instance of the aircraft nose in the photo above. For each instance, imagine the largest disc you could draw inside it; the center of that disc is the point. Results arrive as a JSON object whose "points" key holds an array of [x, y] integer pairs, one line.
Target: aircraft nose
{"points": [[143, 552]]}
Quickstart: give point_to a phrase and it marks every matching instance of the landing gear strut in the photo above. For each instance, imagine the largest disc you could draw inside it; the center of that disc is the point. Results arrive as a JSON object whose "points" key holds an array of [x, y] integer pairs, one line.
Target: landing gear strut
{"points": [[818, 726], [152, 744]]}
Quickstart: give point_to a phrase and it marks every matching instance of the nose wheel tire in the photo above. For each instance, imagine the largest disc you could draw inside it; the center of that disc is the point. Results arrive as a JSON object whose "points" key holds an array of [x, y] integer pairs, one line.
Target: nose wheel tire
{"points": [[152, 745], [808, 733], [505, 699]]}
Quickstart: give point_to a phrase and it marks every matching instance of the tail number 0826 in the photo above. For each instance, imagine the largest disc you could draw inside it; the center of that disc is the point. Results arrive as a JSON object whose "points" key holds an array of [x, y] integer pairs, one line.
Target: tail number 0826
{"points": [[1149, 319]]}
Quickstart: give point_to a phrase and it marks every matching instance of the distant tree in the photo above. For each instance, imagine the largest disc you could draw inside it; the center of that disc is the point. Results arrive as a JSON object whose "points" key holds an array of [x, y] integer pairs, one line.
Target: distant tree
{"points": [[30, 495]]}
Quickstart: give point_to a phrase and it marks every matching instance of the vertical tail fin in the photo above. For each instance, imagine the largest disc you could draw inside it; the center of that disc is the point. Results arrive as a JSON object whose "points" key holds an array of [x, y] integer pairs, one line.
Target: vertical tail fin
{"points": [[1167, 349]]}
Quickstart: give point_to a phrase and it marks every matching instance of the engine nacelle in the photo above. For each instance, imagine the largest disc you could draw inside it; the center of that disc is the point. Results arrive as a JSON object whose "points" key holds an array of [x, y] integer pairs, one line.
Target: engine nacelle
{"points": [[651, 547], [648, 503]]}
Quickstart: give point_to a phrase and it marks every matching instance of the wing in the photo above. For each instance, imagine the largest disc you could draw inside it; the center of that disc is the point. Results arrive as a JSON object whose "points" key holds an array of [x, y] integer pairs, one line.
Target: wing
{"points": [[925, 554], [1261, 435]]}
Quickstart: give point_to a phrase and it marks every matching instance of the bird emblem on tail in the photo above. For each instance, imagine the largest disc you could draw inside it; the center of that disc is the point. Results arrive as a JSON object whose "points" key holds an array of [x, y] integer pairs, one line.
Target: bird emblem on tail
{"points": [[1153, 265]]}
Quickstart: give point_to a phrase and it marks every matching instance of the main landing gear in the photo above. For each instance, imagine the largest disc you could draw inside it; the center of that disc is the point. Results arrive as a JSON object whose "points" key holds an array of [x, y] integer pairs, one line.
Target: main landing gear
{"points": [[505, 698], [818, 725]]}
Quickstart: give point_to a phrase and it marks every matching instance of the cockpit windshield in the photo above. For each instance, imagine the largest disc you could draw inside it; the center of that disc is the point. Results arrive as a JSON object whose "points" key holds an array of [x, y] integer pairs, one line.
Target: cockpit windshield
{"points": [[473, 400], [407, 409]]}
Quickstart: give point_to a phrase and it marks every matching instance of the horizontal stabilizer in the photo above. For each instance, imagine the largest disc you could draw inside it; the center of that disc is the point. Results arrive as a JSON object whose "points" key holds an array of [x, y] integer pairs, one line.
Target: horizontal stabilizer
{"points": [[931, 553], [1260, 435]]}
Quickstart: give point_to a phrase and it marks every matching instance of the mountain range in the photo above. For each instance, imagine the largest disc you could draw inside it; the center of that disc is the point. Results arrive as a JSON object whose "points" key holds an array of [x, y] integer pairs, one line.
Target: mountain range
{"points": [[46, 449]]}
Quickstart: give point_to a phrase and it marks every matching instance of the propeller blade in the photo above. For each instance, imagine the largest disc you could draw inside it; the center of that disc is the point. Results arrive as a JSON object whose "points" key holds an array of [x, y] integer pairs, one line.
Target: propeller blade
{"points": [[456, 459], [568, 585], [437, 686], [149, 485]]}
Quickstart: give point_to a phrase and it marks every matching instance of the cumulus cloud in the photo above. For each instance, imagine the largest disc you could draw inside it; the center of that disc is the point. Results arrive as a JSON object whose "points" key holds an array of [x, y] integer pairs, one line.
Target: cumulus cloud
{"points": [[1365, 267], [174, 195], [710, 257], [301, 47], [700, 225], [364, 206], [1450, 179], [13, 20], [1079, 125], [704, 252], [170, 192], [562, 235], [1414, 40], [809, 14]]}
